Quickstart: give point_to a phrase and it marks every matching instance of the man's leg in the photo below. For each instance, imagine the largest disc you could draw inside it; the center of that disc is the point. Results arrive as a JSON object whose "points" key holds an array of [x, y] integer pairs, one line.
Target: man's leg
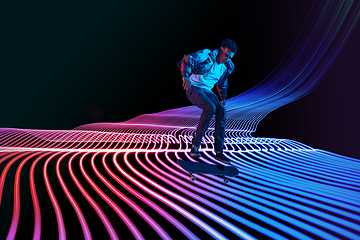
{"points": [[219, 133], [200, 99], [220, 122]]}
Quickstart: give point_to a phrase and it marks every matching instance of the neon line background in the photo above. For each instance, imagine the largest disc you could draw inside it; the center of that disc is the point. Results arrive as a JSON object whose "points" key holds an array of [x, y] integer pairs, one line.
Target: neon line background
{"points": [[120, 179]]}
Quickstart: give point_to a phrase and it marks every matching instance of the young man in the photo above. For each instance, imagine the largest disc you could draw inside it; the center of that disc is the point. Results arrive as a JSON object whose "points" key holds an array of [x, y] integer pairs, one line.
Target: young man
{"points": [[200, 72]]}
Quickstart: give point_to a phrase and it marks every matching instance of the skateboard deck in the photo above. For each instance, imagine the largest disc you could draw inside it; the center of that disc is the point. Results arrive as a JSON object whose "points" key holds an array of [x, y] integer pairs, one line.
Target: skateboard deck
{"points": [[204, 168]]}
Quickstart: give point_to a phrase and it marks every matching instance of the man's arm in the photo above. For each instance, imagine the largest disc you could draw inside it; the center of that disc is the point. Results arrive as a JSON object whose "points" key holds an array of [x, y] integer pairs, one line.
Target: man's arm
{"points": [[222, 86], [188, 63], [186, 83]]}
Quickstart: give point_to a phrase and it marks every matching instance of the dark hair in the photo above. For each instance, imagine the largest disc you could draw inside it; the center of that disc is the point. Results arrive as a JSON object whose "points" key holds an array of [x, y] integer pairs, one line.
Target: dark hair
{"points": [[229, 44]]}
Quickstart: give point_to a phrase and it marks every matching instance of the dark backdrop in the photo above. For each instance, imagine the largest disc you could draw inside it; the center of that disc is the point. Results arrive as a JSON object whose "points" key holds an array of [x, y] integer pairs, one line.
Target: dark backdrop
{"points": [[67, 64]]}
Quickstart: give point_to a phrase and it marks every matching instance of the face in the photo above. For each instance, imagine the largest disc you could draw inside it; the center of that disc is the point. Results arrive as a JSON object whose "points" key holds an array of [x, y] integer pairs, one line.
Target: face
{"points": [[224, 55]]}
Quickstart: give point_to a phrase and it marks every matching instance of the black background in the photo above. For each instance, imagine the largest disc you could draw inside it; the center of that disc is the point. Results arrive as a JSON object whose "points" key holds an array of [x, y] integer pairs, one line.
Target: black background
{"points": [[67, 64]]}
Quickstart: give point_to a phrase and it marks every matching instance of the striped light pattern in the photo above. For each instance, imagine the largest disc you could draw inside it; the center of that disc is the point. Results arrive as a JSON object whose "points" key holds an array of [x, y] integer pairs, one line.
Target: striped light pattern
{"points": [[115, 180], [93, 183]]}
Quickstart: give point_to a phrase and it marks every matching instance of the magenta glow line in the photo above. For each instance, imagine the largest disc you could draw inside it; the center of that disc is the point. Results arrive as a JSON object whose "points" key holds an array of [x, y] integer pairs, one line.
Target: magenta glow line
{"points": [[167, 202], [136, 233], [37, 213], [6, 169], [176, 207], [158, 209], [162, 233], [96, 207], [177, 184], [200, 209], [59, 218], [16, 210], [233, 193], [84, 225]]}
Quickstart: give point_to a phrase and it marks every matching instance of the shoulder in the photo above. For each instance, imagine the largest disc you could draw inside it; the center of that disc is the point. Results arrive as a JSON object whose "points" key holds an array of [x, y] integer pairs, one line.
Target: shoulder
{"points": [[230, 65], [200, 54]]}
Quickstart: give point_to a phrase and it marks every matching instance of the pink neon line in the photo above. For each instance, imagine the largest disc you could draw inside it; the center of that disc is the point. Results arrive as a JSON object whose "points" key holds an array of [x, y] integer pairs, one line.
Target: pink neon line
{"points": [[11, 138], [2, 154], [176, 186], [195, 206], [154, 206], [16, 211], [24, 141], [98, 210], [123, 197], [8, 155], [59, 218], [37, 215], [79, 214], [3, 174], [156, 195], [115, 207]]}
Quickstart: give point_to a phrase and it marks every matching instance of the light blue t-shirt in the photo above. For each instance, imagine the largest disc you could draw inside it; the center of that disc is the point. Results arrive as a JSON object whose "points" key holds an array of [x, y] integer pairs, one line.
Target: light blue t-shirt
{"points": [[209, 79]]}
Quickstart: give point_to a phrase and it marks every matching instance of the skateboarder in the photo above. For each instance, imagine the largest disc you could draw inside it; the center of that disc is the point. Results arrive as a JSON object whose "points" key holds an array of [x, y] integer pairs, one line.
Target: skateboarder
{"points": [[200, 72]]}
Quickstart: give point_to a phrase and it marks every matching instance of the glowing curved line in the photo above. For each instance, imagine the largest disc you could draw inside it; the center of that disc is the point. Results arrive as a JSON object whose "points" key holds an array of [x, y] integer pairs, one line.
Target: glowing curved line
{"points": [[285, 189]]}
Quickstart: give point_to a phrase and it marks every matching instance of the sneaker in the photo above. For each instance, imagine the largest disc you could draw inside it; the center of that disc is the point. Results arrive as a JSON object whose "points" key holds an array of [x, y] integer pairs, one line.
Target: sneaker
{"points": [[195, 152], [221, 157]]}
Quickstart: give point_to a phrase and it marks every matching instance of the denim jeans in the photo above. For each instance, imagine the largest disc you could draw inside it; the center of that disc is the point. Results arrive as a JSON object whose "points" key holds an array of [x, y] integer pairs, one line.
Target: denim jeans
{"points": [[210, 104]]}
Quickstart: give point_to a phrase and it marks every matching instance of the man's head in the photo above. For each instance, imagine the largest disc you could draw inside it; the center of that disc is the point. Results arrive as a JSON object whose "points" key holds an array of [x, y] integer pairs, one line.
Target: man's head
{"points": [[227, 50]]}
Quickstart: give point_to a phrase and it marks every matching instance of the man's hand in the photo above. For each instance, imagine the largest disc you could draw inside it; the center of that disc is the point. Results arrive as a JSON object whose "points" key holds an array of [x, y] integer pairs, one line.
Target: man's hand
{"points": [[223, 102], [186, 83]]}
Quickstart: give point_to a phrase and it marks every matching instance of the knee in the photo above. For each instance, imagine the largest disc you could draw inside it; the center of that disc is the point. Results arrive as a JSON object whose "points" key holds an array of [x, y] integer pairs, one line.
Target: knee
{"points": [[210, 109], [220, 113]]}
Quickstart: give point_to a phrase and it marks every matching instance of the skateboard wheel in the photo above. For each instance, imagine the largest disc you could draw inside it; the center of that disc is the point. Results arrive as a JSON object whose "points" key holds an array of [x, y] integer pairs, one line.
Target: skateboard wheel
{"points": [[226, 180], [193, 178]]}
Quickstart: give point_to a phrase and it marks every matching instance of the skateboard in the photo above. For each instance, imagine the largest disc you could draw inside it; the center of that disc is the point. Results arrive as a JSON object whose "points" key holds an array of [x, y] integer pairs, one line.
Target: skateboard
{"points": [[204, 168]]}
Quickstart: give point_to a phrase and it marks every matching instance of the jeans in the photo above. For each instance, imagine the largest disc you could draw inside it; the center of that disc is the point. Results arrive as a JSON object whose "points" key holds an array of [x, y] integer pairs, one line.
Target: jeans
{"points": [[210, 104]]}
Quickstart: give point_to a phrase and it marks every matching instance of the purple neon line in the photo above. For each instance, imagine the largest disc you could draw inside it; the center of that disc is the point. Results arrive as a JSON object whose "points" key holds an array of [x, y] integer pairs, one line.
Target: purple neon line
{"points": [[154, 206], [307, 217], [320, 173], [182, 211], [232, 228], [282, 189], [332, 219], [115, 207], [123, 197], [255, 214], [345, 171], [212, 194], [268, 180], [346, 196], [300, 163], [288, 173]]}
